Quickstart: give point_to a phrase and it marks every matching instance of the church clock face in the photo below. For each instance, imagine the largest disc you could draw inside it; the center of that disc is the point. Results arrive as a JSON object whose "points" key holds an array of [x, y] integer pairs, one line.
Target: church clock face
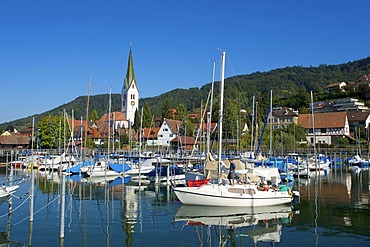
{"points": [[132, 103]]}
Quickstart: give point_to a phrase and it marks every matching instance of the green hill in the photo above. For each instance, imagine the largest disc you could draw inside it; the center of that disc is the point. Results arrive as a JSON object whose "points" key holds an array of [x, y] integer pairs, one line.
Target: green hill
{"points": [[288, 85]]}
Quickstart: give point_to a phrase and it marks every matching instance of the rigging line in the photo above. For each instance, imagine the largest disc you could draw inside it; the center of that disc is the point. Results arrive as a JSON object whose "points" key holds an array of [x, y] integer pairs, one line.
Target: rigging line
{"points": [[15, 208], [232, 68], [201, 124], [34, 212]]}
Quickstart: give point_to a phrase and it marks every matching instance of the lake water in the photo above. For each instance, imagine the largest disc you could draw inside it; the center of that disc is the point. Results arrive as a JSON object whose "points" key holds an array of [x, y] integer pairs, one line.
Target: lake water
{"points": [[334, 210]]}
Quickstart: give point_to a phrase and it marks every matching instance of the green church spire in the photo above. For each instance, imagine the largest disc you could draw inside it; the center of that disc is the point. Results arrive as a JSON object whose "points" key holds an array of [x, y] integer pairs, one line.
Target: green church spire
{"points": [[130, 75]]}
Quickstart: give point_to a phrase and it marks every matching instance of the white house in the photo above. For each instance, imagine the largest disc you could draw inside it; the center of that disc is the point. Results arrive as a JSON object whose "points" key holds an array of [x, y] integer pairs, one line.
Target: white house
{"points": [[329, 127], [168, 131]]}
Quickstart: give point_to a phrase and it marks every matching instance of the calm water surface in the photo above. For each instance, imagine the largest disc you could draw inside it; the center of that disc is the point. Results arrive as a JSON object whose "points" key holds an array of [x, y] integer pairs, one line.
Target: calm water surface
{"points": [[333, 210]]}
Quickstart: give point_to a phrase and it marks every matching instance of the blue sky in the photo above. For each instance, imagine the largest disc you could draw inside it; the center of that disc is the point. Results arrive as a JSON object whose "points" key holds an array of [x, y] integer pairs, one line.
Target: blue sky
{"points": [[49, 49]]}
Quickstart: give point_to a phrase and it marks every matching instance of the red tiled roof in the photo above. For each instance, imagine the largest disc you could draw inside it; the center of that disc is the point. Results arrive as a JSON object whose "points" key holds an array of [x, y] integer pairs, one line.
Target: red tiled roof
{"points": [[331, 85], [204, 126], [323, 120], [174, 125], [284, 111], [14, 140], [357, 116], [185, 140], [150, 132], [117, 116], [364, 78], [76, 123]]}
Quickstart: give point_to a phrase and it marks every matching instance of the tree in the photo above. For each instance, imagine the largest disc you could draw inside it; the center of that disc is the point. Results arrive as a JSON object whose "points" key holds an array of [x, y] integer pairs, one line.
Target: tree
{"points": [[47, 132], [365, 91], [187, 128], [147, 116], [343, 142], [181, 112], [166, 110], [94, 116], [231, 113], [136, 125]]}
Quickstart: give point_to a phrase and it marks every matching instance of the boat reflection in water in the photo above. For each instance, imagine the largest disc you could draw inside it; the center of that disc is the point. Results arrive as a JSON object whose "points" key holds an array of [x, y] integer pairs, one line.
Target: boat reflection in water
{"points": [[260, 224]]}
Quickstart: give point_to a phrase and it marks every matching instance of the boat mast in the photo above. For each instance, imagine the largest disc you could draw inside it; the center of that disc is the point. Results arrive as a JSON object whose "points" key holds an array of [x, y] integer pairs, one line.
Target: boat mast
{"points": [[223, 54], [250, 155], [109, 112], [210, 110], [256, 135], [313, 132], [270, 150], [87, 116], [32, 186]]}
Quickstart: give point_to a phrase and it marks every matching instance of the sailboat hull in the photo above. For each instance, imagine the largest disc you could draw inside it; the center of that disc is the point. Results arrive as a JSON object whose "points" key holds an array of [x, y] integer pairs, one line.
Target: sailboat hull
{"points": [[246, 195]]}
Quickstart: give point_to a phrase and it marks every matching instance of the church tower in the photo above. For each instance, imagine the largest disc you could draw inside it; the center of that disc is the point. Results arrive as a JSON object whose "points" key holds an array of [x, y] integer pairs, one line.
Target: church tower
{"points": [[130, 92]]}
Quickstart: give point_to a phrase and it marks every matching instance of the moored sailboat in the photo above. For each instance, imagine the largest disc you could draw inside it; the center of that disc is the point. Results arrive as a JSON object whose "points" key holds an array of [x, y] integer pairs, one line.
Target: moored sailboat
{"points": [[238, 195]]}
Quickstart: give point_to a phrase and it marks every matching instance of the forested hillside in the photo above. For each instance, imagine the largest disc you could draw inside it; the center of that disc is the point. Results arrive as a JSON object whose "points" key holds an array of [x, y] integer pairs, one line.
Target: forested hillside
{"points": [[290, 85]]}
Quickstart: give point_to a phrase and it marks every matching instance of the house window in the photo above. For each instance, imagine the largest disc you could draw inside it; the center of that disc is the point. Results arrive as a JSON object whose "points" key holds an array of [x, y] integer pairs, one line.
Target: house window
{"points": [[165, 129], [323, 130], [132, 96], [171, 135], [160, 135]]}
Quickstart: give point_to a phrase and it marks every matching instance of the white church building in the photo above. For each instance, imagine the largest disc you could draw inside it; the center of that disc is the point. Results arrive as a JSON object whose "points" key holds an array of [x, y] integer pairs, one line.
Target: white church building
{"points": [[130, 93]]}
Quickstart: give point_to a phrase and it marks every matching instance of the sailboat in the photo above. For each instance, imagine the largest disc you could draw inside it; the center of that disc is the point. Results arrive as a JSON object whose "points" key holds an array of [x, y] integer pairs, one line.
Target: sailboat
{"points": [[7, 190], [238, 195]]}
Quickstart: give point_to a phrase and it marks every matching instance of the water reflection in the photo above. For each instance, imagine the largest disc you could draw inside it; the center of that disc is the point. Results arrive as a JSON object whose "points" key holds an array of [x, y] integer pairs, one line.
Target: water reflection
{"points": [[259, 224], [338, 201], [332, 208]]}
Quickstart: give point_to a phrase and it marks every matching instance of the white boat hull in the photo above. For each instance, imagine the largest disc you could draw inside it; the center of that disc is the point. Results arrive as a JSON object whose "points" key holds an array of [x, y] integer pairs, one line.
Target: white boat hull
{"points": [[103, 173], [142, 171], [7, 190], [245, 195]]}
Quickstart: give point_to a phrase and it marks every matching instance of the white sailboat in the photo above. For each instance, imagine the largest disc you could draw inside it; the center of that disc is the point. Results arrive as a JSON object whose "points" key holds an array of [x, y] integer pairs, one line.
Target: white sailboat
{"points": [[238, 195], [7, 190]]}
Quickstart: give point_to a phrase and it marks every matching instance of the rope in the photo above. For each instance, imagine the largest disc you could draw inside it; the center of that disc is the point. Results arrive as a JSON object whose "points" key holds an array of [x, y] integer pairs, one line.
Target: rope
{"points": [[36, 211], [16, 207]]}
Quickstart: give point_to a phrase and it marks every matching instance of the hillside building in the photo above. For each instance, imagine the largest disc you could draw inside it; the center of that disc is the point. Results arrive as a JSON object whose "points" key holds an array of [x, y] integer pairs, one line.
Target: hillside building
{"points": [[335, 87], [340, 105]]}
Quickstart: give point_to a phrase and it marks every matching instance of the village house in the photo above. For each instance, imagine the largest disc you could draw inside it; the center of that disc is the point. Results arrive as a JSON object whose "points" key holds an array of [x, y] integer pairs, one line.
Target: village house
{"points": [[357, 121], [282, 117], [364, 80], [185, 143], [168, 131], [203, 129], [329, 127], [335, 87], [149, 136], [14, 141]]}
